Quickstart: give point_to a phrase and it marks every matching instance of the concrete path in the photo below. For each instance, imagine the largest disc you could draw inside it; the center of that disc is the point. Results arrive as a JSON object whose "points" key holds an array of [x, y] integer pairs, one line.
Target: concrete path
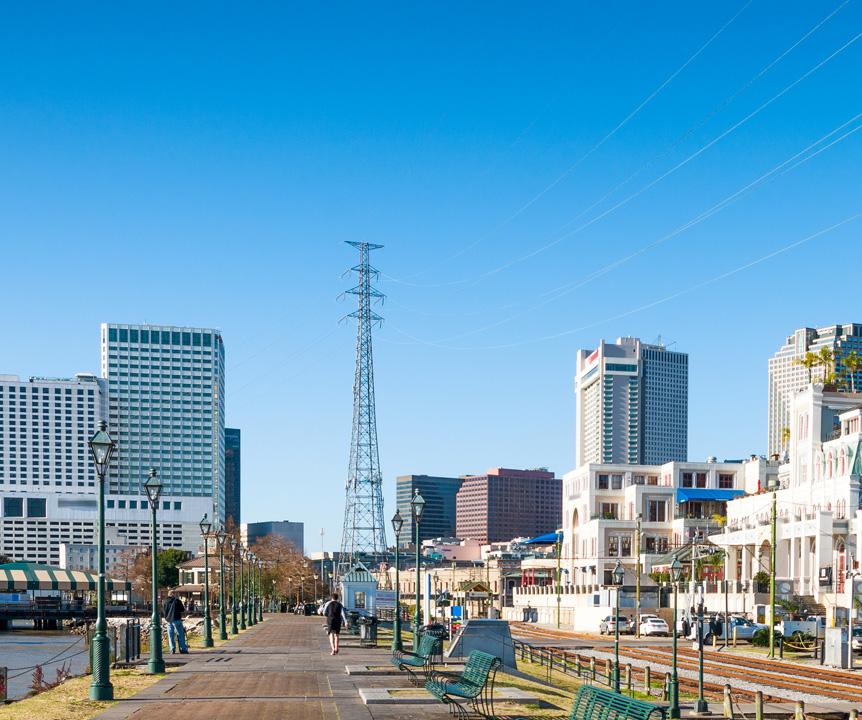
{"points": [[280, 668]]}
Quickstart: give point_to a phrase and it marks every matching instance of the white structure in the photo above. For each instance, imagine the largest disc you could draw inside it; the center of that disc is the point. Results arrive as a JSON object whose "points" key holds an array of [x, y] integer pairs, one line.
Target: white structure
{"points": [[167, 409], [48, 485], [786, 375], [119, 556], [632, 403], [677, 502], [819, 526]]}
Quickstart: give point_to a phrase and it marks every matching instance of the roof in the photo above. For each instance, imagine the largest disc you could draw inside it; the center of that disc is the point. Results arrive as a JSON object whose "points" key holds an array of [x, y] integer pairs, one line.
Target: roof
{"points": [[21, 576], [687, 494], [358, 573], [198, 562], [546, 539], [472, 586]]}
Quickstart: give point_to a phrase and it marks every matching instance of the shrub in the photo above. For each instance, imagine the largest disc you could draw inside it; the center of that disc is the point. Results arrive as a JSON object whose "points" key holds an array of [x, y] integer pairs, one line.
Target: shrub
{"points": [[761, 637]]}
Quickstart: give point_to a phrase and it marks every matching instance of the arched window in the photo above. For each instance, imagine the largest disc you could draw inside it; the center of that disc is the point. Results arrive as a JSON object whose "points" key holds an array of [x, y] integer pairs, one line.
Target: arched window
{"points": [[842, 456], [830, 464]]}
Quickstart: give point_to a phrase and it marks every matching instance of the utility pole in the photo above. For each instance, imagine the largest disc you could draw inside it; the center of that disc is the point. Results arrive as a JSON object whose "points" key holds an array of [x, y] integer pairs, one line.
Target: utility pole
{"points": [[637, 577], [559, 589]]}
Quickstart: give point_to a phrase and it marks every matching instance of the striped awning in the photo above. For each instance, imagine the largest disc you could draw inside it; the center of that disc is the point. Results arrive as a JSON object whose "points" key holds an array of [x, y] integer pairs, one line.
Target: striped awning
{"points": [[21, 576]]}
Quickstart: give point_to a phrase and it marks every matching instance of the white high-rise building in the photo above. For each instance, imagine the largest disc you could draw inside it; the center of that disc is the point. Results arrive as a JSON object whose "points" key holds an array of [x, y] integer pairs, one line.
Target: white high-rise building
{"points": [[787, 376], [632, 403], [167, 409]]}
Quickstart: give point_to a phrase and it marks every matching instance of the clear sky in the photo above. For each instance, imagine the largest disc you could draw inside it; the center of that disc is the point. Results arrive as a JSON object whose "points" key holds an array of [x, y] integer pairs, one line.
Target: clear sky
{"points": [[541, 175]]}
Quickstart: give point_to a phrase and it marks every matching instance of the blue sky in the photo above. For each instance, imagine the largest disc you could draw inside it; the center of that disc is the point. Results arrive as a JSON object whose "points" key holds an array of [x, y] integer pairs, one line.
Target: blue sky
{"points": [[203, 165]]}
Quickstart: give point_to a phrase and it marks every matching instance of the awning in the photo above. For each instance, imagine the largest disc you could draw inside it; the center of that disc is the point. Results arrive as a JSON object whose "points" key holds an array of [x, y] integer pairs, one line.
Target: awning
{"points": [[21, 576], [687, 494], [546, 539]]}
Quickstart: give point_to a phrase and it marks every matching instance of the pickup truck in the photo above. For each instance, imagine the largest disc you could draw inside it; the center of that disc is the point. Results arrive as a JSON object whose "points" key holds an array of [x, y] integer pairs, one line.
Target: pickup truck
{"points": [[743, 628]]}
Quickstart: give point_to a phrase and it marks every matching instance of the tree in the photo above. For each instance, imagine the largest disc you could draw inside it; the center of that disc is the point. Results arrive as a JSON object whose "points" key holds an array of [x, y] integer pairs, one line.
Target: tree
{"points": [[852, 362], [809, 361], [169, 575], [826, 360], [785, 436]]}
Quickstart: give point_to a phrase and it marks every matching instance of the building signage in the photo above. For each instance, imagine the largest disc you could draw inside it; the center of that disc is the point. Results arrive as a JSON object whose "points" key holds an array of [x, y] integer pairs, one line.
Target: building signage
{"points": [[826, 576]]}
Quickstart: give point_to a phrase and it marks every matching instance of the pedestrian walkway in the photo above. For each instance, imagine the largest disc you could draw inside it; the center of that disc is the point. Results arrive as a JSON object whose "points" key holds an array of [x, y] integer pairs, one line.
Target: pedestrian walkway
{"points": [[280, 668]]}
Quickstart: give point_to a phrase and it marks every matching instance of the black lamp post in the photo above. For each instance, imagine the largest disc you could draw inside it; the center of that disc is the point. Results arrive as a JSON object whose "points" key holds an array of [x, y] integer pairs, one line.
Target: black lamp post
{"points": [[206, 526], [417, 505], [618, 575], [397, 524], [700, 705], [242, 584], [156, 664], [675, 574], [251, 590], [222, 620], [102, 448], [233, 548], [260, 589]]}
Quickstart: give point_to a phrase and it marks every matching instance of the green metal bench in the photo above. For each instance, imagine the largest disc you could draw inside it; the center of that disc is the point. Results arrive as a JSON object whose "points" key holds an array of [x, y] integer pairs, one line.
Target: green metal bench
{"points": [[475, 685], [592, 703], [429, 650]]}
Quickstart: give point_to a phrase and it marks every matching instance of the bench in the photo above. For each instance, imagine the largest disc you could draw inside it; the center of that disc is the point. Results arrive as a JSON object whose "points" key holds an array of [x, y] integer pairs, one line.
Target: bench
{"points": [[430, 648], [592, 703], [475, 685]]}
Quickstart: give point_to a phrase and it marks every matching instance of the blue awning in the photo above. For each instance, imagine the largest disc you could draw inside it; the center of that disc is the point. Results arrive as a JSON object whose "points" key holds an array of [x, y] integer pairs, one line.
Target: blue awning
{"points": [[687, 494], [546, 539]]}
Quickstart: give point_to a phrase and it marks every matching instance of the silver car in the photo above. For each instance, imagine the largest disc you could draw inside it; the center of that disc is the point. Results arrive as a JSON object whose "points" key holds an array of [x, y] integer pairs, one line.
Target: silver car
{"points": [[608, 625]]}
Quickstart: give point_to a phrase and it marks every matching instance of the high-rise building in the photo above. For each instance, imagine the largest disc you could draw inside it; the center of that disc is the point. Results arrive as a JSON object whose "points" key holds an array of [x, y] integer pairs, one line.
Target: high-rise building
{"points": [[504, 504], [438, 517], [632, 403], [167, 409], [293, 532], [786, 375], [232, 474]]}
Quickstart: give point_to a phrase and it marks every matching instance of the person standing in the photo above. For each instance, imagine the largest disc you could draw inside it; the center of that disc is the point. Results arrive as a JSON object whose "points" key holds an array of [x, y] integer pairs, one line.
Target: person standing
{"points": [[335, 616], [173, 614]]}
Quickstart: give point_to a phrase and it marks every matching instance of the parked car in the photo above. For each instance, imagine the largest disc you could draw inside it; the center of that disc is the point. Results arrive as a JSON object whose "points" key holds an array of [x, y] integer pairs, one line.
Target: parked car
{"points": [[856, 639], [742, 626], [608, 625], [653, 625]]}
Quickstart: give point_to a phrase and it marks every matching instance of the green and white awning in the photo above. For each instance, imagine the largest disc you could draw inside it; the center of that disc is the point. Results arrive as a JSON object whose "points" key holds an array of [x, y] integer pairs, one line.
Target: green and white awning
{"points": [[21, 576]]}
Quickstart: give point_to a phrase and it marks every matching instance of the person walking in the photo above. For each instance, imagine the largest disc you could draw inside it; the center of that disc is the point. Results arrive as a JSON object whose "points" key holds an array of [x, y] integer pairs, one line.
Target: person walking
{"points": [[335, 616], [173, 614]]}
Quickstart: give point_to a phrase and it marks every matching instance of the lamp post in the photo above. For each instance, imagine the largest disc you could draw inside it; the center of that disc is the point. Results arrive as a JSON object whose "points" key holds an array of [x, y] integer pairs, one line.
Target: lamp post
{"points": [[206, 526], [619, 575], [675, 573], [397, 524], [102, 447], [222, 620], [772, 484], [259, 590], [252, 590], [417, 505], [559, 589], [156, 664], [700, 705], [242, 608], [233, 546]]}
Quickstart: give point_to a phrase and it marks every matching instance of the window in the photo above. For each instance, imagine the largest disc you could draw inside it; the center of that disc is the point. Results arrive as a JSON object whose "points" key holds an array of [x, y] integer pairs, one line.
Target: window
{"points": [[37, 507], [602, 482], [610, 511], [626, 545], [13, 507], [613, 546], [616, 482], [109, 503], [726, 481], [652, 480], [656, 510], [701, 480], [687, 480]]}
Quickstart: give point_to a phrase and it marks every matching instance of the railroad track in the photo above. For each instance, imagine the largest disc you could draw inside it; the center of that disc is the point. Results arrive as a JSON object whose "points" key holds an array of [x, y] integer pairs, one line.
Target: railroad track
{"points": [[792, 677]]}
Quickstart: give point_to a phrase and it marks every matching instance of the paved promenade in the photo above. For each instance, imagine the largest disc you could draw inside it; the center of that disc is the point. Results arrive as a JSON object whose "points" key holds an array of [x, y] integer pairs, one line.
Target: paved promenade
{"points": [[280, 668]]}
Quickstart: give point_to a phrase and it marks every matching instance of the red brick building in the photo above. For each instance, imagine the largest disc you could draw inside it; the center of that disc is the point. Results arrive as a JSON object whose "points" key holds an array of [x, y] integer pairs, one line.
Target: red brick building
{"points": [[503, 504]]}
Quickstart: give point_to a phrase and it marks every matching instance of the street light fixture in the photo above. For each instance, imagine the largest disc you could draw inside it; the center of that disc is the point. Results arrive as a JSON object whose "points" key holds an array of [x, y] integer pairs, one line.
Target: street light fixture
{"points": [[222, 620], [260, 588], [242, 584], [618, 576], [773, 485], [102, 448], [251, 592], [206, 526], [397, 524], [233, 548], [417, 505], [156, 664], [675, 575]]}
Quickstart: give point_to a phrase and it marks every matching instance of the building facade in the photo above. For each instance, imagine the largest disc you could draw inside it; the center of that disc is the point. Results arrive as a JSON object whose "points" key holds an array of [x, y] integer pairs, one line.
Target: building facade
{"points": [[438, 518], [503, 504], [166, 409], [632, 403], [233, 475], [293, 532], [787, 375]]}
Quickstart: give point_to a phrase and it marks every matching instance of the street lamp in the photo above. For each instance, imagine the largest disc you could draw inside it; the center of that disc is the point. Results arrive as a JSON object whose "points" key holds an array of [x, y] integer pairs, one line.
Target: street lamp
{"points": [[417, 505], [222, 629], [772, 484], [251, 590], [559, 539], [260, 588], [700, 706], [206, 526], [156, 664], [618, 576], [232, 546], [242, 581], [675, 574], [397, 524]]}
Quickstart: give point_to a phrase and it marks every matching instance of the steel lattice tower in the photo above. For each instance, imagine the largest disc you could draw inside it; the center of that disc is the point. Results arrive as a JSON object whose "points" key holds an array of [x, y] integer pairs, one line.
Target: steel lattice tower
{"points": [[364, 536]]}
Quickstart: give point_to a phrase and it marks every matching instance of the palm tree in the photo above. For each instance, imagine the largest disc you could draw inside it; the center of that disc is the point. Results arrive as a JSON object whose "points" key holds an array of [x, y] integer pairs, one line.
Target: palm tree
{"points": [[809, 361], [852, 362], [826, 360]]}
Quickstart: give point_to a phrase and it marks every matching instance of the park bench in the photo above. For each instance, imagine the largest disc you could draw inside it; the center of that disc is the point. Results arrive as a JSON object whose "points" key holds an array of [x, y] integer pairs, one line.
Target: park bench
{"points": [[475, 685], [592, 703], [422, 660]]}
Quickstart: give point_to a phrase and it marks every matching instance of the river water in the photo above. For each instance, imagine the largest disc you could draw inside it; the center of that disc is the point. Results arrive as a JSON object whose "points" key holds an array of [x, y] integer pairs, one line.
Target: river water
{"points": [[23, 648]]}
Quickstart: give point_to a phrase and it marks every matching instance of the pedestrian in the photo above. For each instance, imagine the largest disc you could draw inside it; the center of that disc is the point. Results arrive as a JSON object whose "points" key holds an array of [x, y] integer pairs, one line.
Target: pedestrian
{"points": [[173, 612], [335, 616]]}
